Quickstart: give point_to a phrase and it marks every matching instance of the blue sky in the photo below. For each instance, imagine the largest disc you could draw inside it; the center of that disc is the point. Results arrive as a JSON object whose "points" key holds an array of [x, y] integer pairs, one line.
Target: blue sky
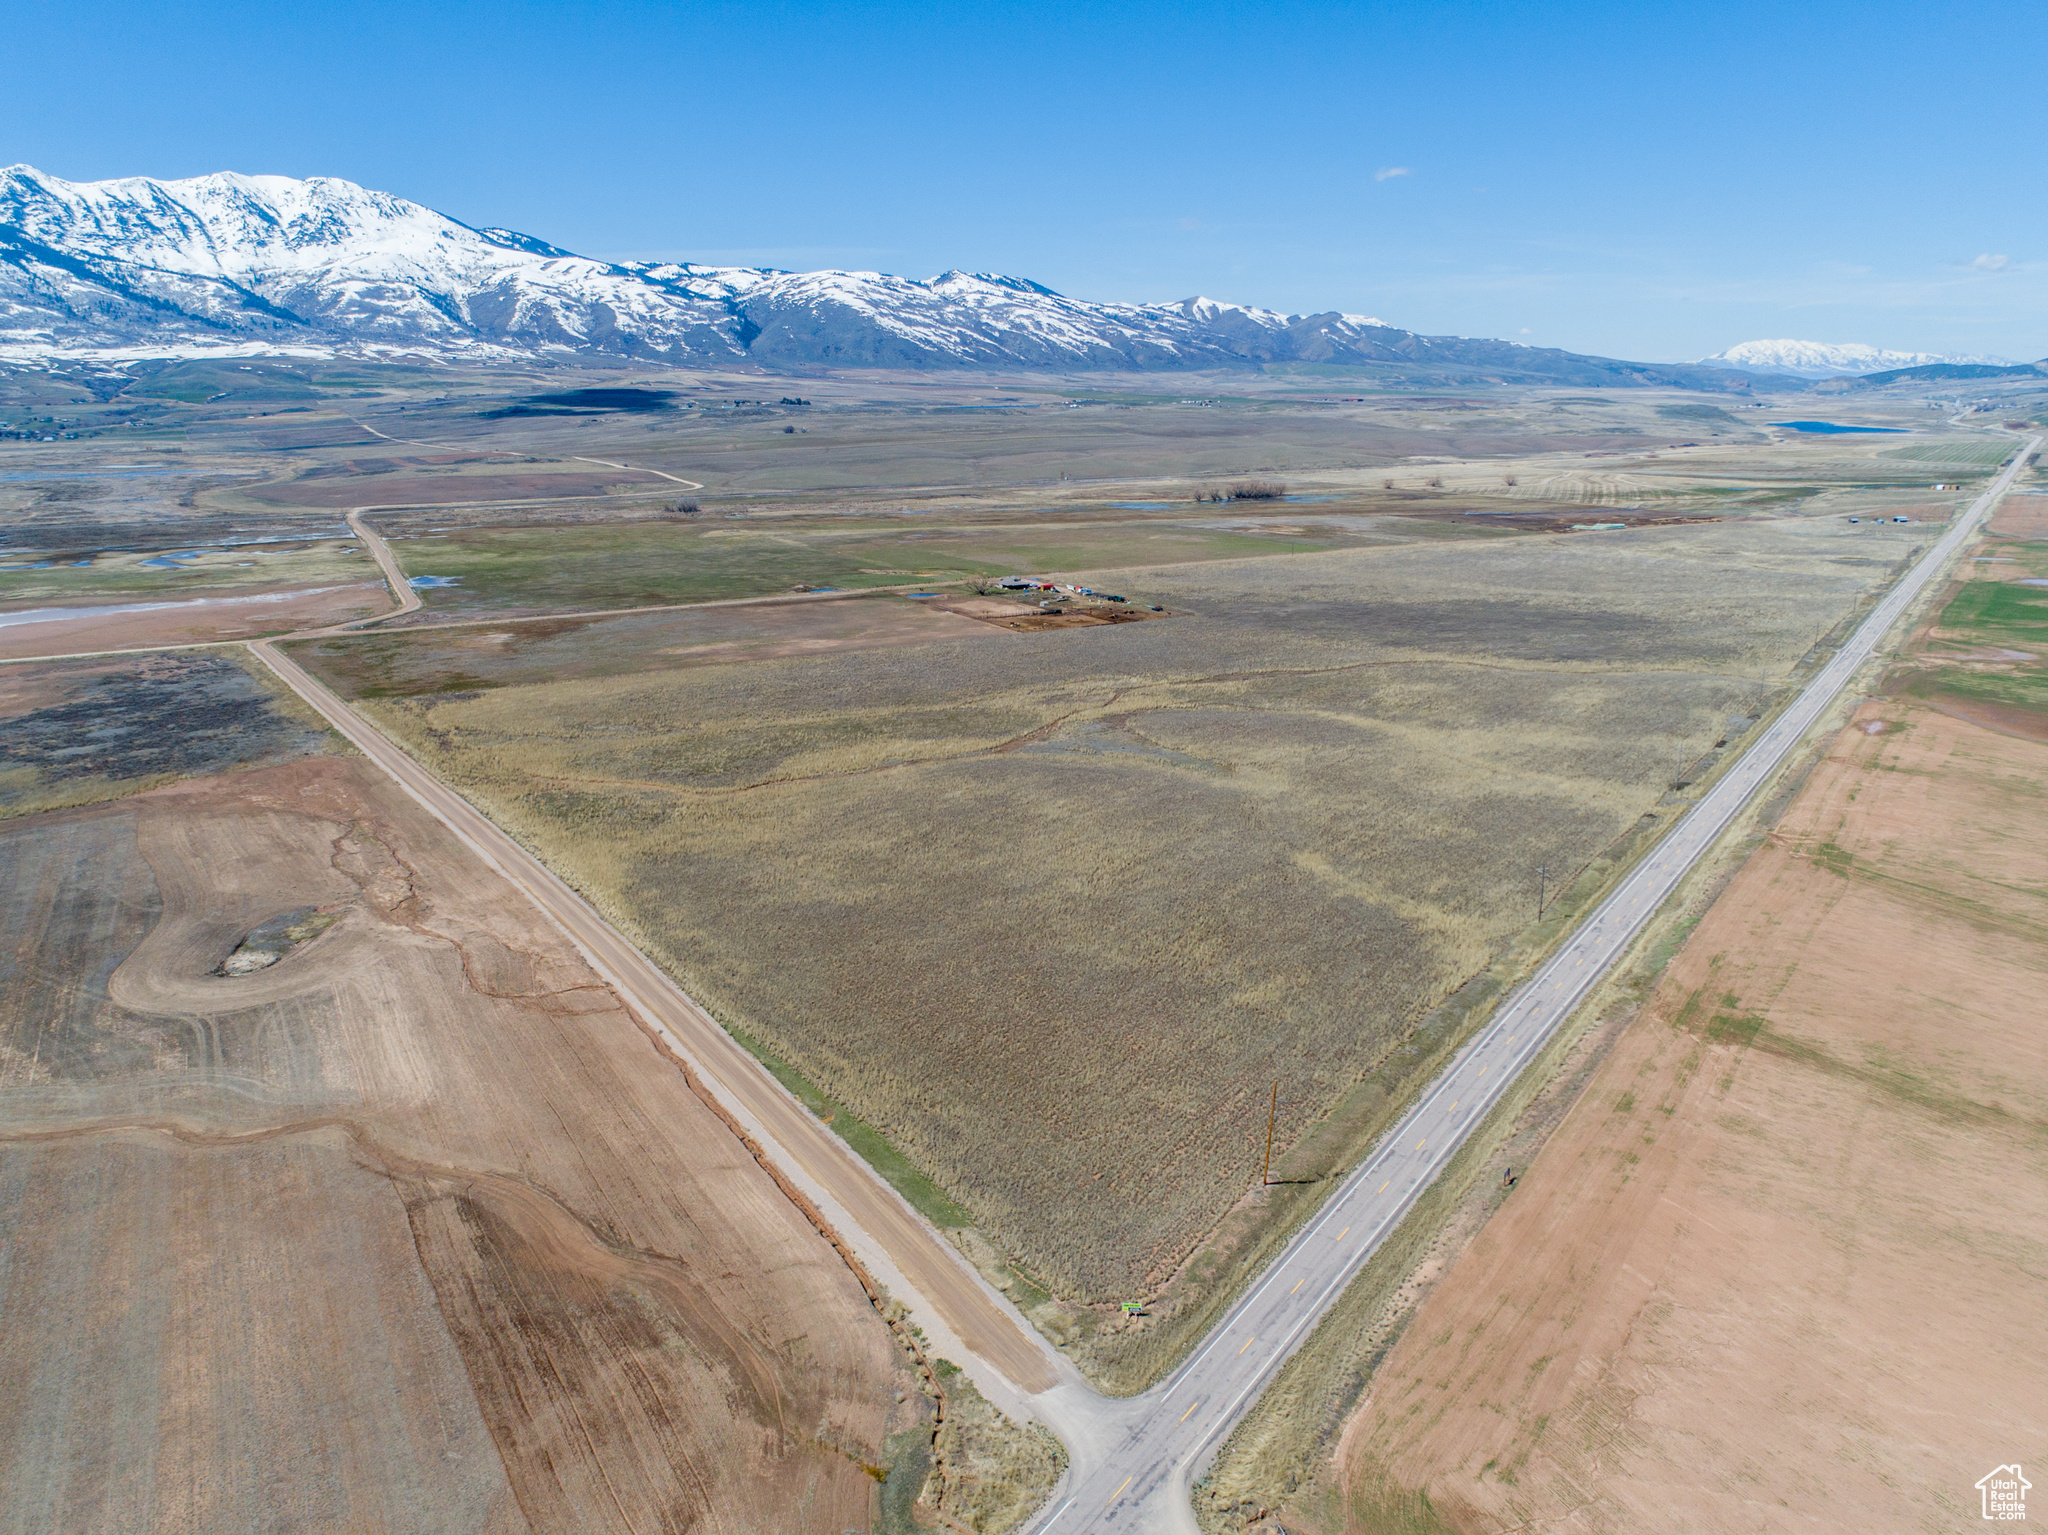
{"points": [[1653, 180]]}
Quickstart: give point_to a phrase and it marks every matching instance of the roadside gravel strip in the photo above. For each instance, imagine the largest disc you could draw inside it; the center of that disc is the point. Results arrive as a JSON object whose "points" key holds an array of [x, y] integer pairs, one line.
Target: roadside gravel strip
{"points": [[1138, 1479]]}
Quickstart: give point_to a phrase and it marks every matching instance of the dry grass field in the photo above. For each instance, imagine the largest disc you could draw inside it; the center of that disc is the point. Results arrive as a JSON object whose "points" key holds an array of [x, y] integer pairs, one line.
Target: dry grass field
{"points": [[413, 1229], [182, 573], [529, 569], [1773, 1271], [1051, 912], [126, 588], [385, 483]]}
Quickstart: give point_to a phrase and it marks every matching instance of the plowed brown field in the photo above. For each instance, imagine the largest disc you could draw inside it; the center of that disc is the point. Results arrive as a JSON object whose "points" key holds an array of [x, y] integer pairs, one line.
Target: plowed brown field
{"points": [[1781, 1268], [412, 1230], [2021, 517]]}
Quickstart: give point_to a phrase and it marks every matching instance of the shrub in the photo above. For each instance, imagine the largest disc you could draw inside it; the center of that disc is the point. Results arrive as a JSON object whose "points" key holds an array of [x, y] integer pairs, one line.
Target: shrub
{"points": [[1245, 490]]}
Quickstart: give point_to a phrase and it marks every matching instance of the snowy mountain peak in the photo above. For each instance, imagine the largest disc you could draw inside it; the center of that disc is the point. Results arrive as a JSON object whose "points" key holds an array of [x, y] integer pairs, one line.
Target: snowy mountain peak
{"points": [[1823, 359], [246, 264]]}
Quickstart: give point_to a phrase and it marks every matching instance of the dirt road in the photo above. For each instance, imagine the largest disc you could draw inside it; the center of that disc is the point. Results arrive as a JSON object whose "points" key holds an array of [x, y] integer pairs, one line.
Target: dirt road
{"points": [[578, 457], [870, 1214], [380, 551]]}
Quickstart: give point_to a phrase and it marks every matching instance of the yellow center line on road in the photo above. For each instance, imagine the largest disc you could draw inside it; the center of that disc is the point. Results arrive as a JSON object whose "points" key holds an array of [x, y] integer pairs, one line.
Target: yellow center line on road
{"points": [[1453, 1107], [1421, 1143], [1248, 1343], [1191, 1407], [1387, 1185], [1482, 1071], [1299, 1283], [1340, 1235], [1117, 1494]]}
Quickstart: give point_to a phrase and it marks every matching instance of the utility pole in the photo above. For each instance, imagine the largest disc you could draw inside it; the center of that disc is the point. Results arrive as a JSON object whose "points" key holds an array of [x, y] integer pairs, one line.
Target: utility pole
{"points": [[1272, 1111]]}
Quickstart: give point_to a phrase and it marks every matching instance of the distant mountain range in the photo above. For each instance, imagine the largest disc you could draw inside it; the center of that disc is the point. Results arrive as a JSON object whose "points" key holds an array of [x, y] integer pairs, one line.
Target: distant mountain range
{"points": [[1822, 359], [227, 264]]}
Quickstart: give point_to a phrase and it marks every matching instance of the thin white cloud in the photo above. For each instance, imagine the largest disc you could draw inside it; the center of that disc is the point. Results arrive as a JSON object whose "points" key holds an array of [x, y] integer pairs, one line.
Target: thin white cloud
{"points": [[1990, 263], [1389, 172]]}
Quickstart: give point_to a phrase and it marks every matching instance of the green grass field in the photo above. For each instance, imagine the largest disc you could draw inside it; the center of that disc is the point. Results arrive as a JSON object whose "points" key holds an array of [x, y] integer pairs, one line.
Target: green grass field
{"points": [[1999, 611], [1997, 616]]}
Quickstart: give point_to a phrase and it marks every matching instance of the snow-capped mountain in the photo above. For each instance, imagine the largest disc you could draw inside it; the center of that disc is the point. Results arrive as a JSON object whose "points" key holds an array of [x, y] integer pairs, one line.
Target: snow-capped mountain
{"points": [[229, 263], [150, 266], [1822, 359]]}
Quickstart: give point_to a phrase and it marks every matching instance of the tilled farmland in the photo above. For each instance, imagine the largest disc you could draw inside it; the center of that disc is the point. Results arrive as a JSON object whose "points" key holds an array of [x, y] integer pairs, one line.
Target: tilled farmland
{"points": [[410, 1229]]}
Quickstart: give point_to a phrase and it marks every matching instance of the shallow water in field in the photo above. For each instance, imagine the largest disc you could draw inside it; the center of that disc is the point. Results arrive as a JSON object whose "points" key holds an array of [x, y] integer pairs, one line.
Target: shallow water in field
{"points": [[110, 609], [1831, 427]]}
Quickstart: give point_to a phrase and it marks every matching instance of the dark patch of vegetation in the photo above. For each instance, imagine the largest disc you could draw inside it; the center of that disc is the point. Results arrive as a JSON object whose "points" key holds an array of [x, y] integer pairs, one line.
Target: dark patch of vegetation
{"points": [[1246, 490], [168, 715], [268, 942], [909, 1455], [1836, 860], [584, 402], [1735, 1028]]}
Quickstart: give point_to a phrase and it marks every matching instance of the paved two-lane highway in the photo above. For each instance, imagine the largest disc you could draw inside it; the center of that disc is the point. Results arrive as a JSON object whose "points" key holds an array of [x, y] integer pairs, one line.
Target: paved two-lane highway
{"points": [[1136, 1476]]}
